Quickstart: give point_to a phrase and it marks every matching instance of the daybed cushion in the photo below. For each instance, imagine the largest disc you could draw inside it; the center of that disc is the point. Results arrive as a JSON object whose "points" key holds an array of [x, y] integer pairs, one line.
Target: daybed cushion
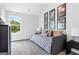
{"points": [[43, 42]]}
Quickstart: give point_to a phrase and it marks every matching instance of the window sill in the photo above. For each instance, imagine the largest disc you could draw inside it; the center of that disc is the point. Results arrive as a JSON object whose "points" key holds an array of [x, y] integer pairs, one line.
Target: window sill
{"points": [[16, 33]]}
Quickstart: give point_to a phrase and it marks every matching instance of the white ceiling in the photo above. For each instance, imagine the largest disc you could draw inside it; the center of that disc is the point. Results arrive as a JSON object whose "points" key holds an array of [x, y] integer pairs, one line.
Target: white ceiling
{"points": [[28, 8]]}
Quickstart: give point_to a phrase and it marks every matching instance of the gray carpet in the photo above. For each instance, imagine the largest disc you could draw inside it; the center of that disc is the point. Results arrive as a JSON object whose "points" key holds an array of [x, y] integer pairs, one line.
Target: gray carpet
{"points": [[26, 47], [3, 53]]}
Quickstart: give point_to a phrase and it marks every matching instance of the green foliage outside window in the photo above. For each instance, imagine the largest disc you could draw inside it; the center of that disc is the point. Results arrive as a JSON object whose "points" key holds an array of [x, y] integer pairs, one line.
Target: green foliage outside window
{"points": [[15, 26], [15, 23]]}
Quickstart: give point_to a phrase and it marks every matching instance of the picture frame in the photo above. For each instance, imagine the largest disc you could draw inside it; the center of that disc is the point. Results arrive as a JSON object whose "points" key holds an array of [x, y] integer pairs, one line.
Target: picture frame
{"points": [[61, 10], [52, 19], [46, 20], [61, 23]]}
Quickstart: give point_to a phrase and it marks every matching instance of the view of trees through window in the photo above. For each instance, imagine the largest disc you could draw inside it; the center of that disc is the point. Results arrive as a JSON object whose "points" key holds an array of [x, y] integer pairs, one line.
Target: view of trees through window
{"points": [[15, 23]]}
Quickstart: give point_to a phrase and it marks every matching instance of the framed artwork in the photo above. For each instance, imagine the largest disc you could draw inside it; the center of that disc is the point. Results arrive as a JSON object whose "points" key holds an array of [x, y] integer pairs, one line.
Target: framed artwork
{"points": [[61, 10], [46, 20], [52, 19], [61, 23]]}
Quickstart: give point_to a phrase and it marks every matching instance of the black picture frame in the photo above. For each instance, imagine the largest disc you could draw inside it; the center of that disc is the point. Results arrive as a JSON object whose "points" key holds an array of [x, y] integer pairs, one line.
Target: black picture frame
{"points": [[61, 10], [61, 22], [46, 20], [52, 19]]}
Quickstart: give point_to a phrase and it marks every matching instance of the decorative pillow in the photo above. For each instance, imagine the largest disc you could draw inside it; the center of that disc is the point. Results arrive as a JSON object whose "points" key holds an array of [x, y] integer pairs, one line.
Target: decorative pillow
{"points": [[44, 33], [57, 33], [50, 33]]}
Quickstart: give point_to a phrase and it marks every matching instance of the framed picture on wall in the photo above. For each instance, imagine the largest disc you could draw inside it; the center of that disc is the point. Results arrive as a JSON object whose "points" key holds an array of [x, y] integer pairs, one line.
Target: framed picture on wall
{"points": [[52, 19], [61, 10], [61, 23], [46, 20]]}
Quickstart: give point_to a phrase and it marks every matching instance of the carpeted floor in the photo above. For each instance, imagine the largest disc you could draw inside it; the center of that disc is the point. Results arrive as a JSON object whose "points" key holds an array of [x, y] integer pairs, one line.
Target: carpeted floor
{"points": [[26, 47], [3, 53]]}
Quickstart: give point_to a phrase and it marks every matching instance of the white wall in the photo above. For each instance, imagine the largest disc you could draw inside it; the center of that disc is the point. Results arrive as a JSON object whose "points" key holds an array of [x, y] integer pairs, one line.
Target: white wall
{"points": [[29, 25], [2, 14], [72, 17]]}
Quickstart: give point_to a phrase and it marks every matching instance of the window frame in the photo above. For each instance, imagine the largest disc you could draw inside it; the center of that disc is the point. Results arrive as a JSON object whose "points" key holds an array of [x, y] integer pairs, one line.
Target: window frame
{"points": [[16, 25]]}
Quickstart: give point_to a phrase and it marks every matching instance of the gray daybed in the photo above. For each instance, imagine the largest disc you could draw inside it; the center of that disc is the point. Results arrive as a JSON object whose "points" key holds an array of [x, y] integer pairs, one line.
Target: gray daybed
{"points": [[52, 45]]}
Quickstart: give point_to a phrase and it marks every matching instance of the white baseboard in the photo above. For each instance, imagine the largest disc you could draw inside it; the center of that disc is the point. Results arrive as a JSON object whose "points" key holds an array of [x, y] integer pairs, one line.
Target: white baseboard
{"points": [[19, 40]]}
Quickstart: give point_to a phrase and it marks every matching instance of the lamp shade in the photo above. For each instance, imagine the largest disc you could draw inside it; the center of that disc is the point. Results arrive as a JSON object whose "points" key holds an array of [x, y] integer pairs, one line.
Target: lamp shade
{"points": [[75, 32], [39, 30]]}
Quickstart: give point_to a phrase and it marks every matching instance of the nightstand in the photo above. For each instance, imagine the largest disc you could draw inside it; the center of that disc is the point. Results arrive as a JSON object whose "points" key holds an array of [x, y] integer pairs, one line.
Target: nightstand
{"points": [[68, 47], [71, 44]]}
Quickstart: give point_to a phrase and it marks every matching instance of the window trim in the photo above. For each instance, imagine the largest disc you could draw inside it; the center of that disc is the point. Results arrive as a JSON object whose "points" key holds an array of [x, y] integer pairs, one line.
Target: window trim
{"points": [[16, 25]]}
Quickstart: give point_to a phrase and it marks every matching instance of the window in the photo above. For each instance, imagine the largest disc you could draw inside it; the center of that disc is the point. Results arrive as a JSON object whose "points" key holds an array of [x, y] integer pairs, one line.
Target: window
{"points": [[14, 23]]}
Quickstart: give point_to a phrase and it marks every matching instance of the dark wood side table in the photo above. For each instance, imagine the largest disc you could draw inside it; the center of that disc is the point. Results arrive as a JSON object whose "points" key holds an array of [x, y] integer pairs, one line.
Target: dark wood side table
{"points": [[68, 47], [71, 44]]}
